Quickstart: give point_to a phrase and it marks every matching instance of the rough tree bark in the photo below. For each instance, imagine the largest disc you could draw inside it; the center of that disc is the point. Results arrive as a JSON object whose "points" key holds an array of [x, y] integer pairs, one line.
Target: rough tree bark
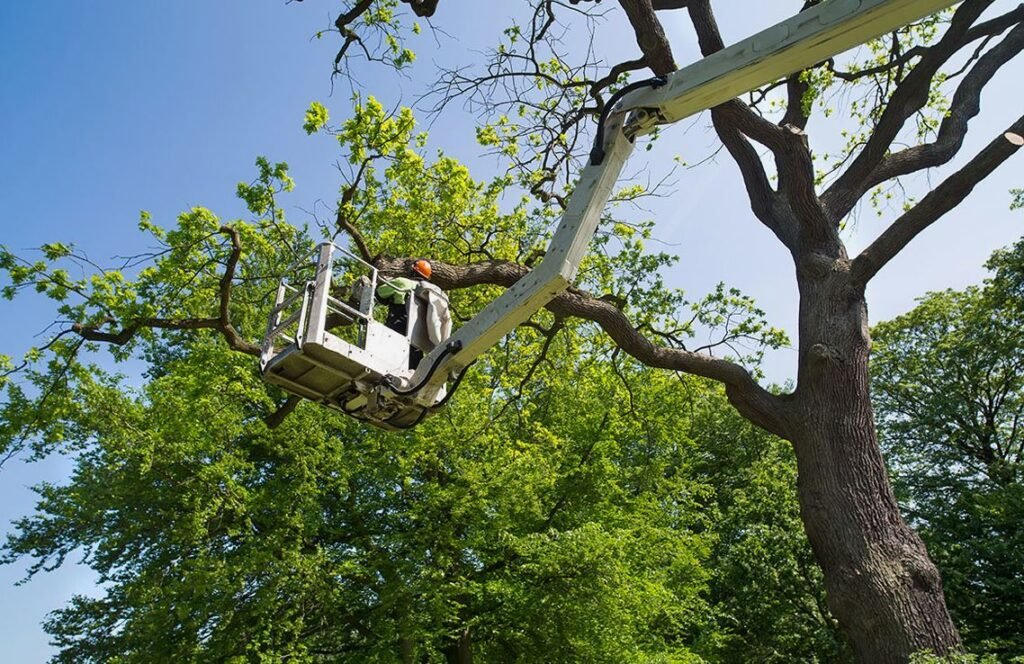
{"points": [[880, 583]]}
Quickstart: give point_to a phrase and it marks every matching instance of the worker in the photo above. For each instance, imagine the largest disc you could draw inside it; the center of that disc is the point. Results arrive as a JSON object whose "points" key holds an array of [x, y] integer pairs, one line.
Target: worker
{"points": [[395, 293], [436, 316]]}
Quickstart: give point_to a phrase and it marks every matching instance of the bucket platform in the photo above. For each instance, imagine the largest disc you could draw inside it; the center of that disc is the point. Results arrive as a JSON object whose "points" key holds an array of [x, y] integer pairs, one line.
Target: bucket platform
{"points": [[325, 341]]}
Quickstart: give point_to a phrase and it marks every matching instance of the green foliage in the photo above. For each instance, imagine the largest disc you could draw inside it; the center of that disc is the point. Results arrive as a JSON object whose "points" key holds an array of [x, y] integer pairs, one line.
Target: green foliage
{"points": [[180, 281], [566, 529], [316, 118], [948, 380], [271, 180]]}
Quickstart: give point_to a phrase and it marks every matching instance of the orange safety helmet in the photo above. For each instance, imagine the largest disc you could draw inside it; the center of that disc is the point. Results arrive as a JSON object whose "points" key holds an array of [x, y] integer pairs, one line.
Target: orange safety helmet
{"points": [[422, 268]]}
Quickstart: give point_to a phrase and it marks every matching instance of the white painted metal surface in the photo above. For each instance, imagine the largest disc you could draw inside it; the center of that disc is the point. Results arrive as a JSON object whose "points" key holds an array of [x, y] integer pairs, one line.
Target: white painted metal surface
{"points": [[797, 43], [334, 351]]}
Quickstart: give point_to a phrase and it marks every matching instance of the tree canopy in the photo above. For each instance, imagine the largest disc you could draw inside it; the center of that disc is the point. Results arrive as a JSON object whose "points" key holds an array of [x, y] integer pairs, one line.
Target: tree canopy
{"points": [[572, 507], [229, 520]]}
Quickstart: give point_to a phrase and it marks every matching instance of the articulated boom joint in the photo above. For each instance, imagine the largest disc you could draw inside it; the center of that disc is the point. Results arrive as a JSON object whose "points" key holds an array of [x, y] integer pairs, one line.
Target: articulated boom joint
{"points": [[597, 153], [642, 121]]}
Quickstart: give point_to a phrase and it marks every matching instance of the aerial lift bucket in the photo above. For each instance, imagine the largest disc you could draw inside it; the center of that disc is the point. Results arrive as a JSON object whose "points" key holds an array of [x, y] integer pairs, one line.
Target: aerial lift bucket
{"points": [[326, 341]]}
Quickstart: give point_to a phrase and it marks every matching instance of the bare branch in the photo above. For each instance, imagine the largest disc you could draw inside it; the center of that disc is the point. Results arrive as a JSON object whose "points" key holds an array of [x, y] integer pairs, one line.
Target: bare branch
{"points": [[966, 104], [759, 189], [938, 202], [756, 403], [909, 97], [790, 149], [344, 223], [613, 75], [704, 24]]}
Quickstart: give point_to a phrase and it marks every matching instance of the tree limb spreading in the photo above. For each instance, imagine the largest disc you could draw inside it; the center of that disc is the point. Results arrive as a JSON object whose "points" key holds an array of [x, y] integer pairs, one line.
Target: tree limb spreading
{"points": [[788, 146], [965, 105], [910, 96], [938, 202], [222, 322], [756, 403]]}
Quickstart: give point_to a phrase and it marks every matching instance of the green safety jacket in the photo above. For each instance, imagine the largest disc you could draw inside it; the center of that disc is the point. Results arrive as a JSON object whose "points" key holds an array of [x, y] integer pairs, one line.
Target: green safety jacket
{"points": [[395, 291]]}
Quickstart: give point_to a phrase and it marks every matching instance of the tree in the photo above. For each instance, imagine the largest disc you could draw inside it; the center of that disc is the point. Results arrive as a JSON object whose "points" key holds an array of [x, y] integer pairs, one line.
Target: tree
{"points": [[921, 86], [564, 508], [947, 379], [568, 529], [882, 587]]}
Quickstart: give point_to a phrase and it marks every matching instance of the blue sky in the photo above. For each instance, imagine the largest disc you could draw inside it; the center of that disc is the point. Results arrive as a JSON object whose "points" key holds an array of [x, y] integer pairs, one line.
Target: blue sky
{"points": [[115, 106]]}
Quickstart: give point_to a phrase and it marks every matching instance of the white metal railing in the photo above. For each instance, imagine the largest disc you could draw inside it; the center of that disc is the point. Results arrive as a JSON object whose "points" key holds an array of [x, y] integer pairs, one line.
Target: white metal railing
{"points": [[276, 327], [315, 295]]}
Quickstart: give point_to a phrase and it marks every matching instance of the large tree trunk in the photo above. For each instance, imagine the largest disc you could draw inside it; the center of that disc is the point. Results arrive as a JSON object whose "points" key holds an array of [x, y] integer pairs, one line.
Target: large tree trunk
{"points": [[880, 583], [460, 651]]}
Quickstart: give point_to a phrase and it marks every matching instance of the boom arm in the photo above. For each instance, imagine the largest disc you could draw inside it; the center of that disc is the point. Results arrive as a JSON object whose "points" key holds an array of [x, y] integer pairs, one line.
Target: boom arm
{"points": [[797, 43]]}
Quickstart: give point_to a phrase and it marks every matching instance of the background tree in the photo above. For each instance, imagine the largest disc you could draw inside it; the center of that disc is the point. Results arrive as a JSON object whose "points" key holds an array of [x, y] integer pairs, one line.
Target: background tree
{"points": [[912, 102], [948, 380]]}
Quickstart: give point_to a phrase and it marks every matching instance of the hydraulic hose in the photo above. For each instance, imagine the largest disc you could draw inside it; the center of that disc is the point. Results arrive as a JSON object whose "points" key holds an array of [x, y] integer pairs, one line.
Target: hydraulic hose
{"points": [[452, 348], [597, 152]]}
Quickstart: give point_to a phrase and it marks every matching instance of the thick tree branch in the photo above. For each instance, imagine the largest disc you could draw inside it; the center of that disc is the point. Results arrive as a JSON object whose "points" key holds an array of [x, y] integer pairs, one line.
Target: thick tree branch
{"points": [[423, 8], [222, 322], [966, 104], [90, 332], [759, 190], [613, 75], [995, 26], [347, 18], [754, 402], [650, 36], [792, 155], [795, 170], [276, 418], [234, 339], [909, 97], [938, 202], [709, 39]]}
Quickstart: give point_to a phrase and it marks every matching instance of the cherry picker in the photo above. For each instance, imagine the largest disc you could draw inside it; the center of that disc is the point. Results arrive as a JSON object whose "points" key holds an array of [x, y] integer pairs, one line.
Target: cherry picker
{"points": [[336, 351]]}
